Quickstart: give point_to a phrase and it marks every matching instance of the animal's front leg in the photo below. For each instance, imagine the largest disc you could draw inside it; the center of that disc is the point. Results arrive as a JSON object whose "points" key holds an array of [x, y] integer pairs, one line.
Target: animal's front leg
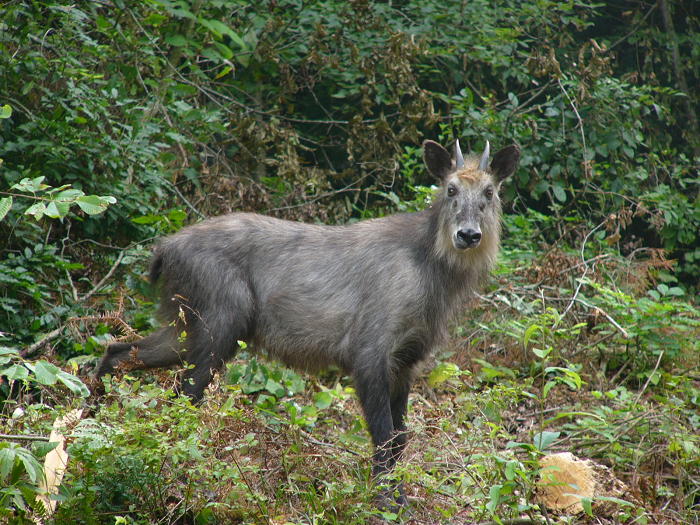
{"points": [[373, 389], [399, 406]]}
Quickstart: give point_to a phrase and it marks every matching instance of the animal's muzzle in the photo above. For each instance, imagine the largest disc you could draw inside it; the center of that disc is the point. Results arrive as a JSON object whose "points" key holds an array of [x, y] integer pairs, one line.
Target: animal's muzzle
{"points": [[467, 238]]}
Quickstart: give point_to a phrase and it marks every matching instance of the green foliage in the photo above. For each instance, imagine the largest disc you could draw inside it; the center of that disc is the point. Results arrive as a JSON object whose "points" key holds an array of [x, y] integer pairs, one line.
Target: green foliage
{"points": [[125, 122], [54, 202], [299, 109], [129, 455], [16, 465], [20, 468], [40, 372], [650, 328]]}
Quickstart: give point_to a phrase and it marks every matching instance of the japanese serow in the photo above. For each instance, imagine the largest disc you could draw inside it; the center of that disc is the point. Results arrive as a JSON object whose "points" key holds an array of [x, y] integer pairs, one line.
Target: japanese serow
{"points": [[372, 298]]}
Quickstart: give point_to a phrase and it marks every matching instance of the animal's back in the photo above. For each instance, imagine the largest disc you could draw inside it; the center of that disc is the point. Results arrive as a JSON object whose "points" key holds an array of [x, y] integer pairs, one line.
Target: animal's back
{"points": [[318, 294]]}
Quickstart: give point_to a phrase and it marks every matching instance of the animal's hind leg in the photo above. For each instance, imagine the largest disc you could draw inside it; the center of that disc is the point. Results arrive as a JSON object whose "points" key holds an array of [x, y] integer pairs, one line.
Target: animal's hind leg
{"points": [[158, 350]]}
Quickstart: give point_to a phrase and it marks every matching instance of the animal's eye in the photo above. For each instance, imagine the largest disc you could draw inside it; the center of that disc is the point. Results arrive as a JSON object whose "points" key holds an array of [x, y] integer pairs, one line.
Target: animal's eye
{"points": [[451, 191], [488, 193]]}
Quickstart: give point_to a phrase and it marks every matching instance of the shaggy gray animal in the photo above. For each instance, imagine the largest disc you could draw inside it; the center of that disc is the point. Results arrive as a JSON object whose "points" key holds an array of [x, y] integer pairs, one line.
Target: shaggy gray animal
{"points": [[373, 297]]}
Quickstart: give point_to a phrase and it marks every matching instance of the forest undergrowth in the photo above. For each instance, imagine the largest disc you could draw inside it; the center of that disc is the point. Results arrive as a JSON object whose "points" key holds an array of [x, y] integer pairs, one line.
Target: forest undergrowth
{"points": [[570, 351]]}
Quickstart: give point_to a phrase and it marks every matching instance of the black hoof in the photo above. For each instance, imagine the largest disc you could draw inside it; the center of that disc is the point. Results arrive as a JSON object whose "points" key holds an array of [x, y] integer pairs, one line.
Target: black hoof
{"points": [[392, 499]]}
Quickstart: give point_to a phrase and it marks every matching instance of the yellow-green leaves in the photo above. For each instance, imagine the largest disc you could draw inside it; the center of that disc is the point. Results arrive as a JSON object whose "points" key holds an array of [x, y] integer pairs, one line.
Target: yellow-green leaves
{"points": [[52, 202]]}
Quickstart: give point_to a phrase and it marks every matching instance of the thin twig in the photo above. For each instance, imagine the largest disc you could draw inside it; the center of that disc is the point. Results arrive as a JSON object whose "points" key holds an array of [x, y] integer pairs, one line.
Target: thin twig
{"points": [[23, 437], [348, 188], [74, 291], [187, 203], [585, 271], [309, 437], [636, 28], [104, 279], [646, 384], [516, 521], [624, 332], [580, 125], [586, 262]]}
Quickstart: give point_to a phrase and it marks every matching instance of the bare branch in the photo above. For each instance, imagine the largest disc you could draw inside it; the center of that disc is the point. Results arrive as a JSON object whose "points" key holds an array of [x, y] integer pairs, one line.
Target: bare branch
{"points": [[104, 279], [22, 437]]}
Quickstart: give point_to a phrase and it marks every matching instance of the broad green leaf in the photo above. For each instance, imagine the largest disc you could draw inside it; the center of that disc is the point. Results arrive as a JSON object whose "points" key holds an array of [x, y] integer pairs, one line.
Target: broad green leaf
{"points": [[15, 371], [511, 468], [494, 497], [31, 465], [102, 23], [176, 40], [615, 500], [91, 204], [147, 219], [37, 209], [212, 54], [5, 206], [323, 400], [543, 440], [5, 111], [219, 28], [7, 458], [442, 373], [571, 378], [529, 332], [490, 371], [154, 19], [275, 388], [224, 50], [541, 353], [69, 194], [74, 384], [6, 350], [45, 372], [57, 210], [559, 193], [33, 185], [587, 507], [547, 387], [41, 448]]}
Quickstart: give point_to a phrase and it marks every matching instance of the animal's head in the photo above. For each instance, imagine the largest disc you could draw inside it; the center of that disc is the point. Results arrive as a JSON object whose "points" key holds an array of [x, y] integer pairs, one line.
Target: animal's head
{"points": [[470, 208]]}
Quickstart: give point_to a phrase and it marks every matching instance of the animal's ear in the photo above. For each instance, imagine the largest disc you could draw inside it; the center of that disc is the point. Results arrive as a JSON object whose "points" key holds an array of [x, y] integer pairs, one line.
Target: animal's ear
{"points": [[437, 159], [505, 161]]}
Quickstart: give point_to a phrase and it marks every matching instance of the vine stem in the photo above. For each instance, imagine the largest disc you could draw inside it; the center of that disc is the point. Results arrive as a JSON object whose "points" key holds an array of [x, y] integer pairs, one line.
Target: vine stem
{"points": [[586, 169]]}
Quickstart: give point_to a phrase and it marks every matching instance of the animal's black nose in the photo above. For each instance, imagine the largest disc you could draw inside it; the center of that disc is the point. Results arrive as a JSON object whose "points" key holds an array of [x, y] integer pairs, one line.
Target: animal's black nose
{"points": [[469, 237]]}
